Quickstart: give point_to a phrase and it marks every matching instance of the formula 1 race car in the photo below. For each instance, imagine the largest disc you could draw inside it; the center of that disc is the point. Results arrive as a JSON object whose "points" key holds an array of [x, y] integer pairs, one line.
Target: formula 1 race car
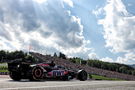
{"points": [[43, 71]]}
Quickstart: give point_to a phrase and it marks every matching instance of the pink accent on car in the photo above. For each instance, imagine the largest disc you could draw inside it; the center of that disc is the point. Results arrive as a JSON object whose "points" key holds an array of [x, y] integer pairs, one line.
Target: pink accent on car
{"points": [[43, 64], [66, 72]]}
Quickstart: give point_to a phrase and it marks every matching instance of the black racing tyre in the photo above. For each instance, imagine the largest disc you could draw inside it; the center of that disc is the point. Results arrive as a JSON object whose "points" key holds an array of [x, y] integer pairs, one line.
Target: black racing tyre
{"points": [[16, 76], [82, 75], [37, 73]]}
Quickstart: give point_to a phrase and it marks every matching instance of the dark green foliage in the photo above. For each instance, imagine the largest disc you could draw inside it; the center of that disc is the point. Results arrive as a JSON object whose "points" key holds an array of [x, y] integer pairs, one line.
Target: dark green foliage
{"points": [[83, 62], [2, 55], [72, 60], [55, 55], [6, 56], [76, 60], [90, 76], [30, 58], [61, 55], [121, 68], [15, 55], [133, 72]]}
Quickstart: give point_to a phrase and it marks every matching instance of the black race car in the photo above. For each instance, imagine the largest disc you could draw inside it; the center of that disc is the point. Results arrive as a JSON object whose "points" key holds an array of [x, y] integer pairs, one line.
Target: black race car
{"points": [[43, 71]]}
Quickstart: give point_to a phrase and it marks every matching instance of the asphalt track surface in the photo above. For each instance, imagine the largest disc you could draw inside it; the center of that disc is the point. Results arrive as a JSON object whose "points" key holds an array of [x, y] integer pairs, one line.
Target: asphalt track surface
{"points": [[7, 84]]}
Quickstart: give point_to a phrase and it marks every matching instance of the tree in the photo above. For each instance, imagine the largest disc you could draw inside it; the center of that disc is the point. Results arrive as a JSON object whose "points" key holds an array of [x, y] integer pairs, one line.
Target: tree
{"points": [[19, 54], [61, 55], [83, 62], [133, 72], [72, 60], [55, 55], [29, 58], [2, 55], [123, 69]]}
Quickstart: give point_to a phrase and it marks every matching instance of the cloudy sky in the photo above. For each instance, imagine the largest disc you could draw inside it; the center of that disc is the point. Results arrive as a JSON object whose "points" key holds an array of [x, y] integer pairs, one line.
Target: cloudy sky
{"points": [[97, 29]]}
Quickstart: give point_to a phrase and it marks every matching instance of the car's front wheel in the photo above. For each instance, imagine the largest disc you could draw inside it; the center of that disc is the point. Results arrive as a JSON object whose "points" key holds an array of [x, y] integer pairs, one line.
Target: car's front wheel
{"points": [[82, 75]]}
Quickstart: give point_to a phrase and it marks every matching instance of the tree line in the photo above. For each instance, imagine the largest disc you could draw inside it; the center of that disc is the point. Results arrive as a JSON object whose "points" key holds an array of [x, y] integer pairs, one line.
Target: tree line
{"points": [[6, 56], [121, 68]]}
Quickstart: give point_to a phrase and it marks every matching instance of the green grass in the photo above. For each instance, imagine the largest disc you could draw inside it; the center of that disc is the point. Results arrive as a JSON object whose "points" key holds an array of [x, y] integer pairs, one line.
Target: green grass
{"points": [[4, 71], [97, 77], [3, 67]]}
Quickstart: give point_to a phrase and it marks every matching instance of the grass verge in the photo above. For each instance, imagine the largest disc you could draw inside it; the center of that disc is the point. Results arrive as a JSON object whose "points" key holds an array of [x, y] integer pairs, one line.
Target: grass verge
{"points": [[4, 71], [98, 77], [3, 67]]}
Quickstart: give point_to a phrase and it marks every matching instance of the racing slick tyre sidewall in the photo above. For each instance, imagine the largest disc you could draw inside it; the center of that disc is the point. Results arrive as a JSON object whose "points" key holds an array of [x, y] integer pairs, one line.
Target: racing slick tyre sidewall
{"points": [[15, 75], [37, 73], [82, 75]]}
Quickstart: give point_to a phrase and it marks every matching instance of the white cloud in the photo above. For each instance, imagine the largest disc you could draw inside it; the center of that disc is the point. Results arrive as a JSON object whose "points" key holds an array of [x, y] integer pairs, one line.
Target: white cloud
{"points": [[93, 56], [69, 2], [128, 58], [97, 11], [107, 59], [40, 1], [119, 27], [48, 26]]}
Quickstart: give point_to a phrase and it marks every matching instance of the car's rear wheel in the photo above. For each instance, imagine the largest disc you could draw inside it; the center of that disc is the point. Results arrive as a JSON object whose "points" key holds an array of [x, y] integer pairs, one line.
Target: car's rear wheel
{"points": [[82, 75], [37, 73], [16, 76]]}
